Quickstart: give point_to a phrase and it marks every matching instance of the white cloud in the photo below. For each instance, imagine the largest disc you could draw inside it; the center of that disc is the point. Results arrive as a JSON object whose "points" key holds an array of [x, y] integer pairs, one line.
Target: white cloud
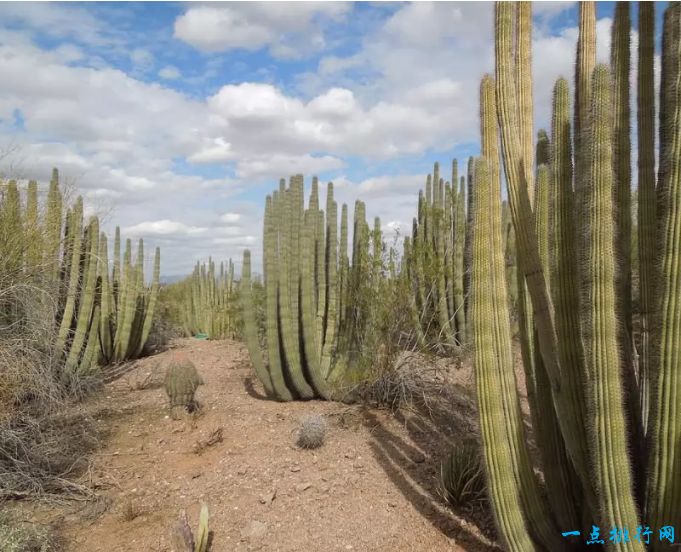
{"points": [[163, 228], [169, 72], [289, 30], [216, 151], [121, 140], [230, 218], [142, 58]]}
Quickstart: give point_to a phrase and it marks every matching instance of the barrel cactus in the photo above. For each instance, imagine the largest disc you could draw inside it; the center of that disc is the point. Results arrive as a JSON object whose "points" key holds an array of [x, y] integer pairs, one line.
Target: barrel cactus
{"points": [[181, 382]]}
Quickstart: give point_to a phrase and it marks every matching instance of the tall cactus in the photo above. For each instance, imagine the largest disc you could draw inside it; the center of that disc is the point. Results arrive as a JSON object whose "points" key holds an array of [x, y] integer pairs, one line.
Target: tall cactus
{"points": [[314, 318], [581, 298], [664, 463], [646, 193]]}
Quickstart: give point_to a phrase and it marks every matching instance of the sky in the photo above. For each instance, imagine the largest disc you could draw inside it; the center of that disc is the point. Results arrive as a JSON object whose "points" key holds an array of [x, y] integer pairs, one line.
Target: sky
{"points": [[175, 120]]}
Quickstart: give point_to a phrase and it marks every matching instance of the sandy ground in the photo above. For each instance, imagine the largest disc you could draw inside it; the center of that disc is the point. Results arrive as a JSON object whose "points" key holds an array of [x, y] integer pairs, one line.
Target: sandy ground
{"points": [[371, 487]]}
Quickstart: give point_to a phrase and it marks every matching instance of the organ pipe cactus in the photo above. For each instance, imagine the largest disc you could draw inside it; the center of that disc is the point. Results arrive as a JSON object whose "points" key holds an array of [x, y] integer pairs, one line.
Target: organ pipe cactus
{"points": [[74, 266], [581, 292], [436, 257], [315, 311], [210, 301]]}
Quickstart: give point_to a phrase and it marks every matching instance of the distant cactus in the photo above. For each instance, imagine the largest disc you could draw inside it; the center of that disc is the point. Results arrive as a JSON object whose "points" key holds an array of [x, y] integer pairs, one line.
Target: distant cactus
{"points": [[312, 431]]}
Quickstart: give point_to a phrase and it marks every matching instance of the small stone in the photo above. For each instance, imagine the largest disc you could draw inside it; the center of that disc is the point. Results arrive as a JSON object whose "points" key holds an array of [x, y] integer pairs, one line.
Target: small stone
{"points": [[268, 498], [254, 530], [295, 468], [302, 487]]}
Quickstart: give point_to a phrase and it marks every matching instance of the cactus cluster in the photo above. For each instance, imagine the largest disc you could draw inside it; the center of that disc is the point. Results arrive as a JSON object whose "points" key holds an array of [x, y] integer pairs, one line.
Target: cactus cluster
{"points": [[314, 314], [100, 318], [209, 301], [434, 260], [605, 424]]}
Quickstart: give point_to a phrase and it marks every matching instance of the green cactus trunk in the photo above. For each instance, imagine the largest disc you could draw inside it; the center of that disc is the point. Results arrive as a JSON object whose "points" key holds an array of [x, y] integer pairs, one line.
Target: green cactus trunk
{"points": [[613, 475], [664, 465], [646, 195], [250, 329]]}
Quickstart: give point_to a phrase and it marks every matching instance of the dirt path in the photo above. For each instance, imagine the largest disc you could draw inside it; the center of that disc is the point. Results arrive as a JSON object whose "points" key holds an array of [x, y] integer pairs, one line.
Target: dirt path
{"points": [[371, 487]]}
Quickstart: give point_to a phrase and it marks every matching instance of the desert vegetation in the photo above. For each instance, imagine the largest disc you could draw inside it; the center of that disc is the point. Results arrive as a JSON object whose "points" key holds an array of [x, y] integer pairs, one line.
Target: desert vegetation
{"points": [[536, 267]]}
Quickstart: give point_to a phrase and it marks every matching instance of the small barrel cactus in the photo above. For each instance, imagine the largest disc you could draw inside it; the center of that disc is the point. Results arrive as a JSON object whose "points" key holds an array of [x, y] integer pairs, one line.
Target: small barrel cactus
{"points": [[181, 382], [312, 431]]}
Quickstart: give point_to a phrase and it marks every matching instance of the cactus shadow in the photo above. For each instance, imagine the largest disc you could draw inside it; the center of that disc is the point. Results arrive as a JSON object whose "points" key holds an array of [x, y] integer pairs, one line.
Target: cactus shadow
{"points": [[413, 466], [250, 389]]}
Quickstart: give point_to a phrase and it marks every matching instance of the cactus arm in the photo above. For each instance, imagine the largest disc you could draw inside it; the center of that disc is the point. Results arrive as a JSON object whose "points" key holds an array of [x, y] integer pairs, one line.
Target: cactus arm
{"points": [[612, 469], [288, 292], [75, 227], [105, 334], [333, 283], [646, 193], [271, 257], [503, 489], [308, 322], [664, 465], [153, 298], [87, 298], [250, 328]]}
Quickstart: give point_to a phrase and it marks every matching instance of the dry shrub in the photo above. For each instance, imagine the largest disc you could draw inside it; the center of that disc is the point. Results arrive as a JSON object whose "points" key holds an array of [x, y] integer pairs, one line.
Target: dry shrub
{"points": [[130, 511], [41, 446], [19, 536], [386, 366]]}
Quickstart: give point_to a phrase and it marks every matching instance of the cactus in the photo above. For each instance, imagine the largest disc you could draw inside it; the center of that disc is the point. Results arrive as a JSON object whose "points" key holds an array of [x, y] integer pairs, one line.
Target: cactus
{"points": [[581, 291], [88, 299], [315, 312], [210, 302], [250, 329], [73, 268], [181, 382], [664, 426], [312, 431], [646, 194]]}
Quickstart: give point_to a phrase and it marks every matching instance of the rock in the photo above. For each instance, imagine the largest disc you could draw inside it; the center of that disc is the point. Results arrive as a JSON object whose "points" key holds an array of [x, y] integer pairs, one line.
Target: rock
{"points": [[295, 468], [268, 498], [254, 530], [302, 487]]}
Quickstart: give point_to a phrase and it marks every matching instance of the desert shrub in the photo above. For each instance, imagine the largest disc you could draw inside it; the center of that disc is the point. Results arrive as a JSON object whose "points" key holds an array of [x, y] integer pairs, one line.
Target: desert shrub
{"points": [[312, 431], [40, 445], [462, 479], [17, 536], [386, 366]]}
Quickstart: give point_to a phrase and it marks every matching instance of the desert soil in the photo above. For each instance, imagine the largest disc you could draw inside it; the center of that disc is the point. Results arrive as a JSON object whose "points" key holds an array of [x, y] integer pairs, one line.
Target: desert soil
{"points": [[373, 486]]}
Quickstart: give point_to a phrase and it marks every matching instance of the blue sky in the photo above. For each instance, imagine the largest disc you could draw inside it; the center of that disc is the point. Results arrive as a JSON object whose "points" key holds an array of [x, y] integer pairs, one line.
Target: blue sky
{"points": [[175, 119]]}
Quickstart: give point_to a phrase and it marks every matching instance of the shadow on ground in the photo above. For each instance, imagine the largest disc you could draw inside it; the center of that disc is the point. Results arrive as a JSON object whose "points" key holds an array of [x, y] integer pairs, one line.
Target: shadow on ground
{"points": [[414, 466]]}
